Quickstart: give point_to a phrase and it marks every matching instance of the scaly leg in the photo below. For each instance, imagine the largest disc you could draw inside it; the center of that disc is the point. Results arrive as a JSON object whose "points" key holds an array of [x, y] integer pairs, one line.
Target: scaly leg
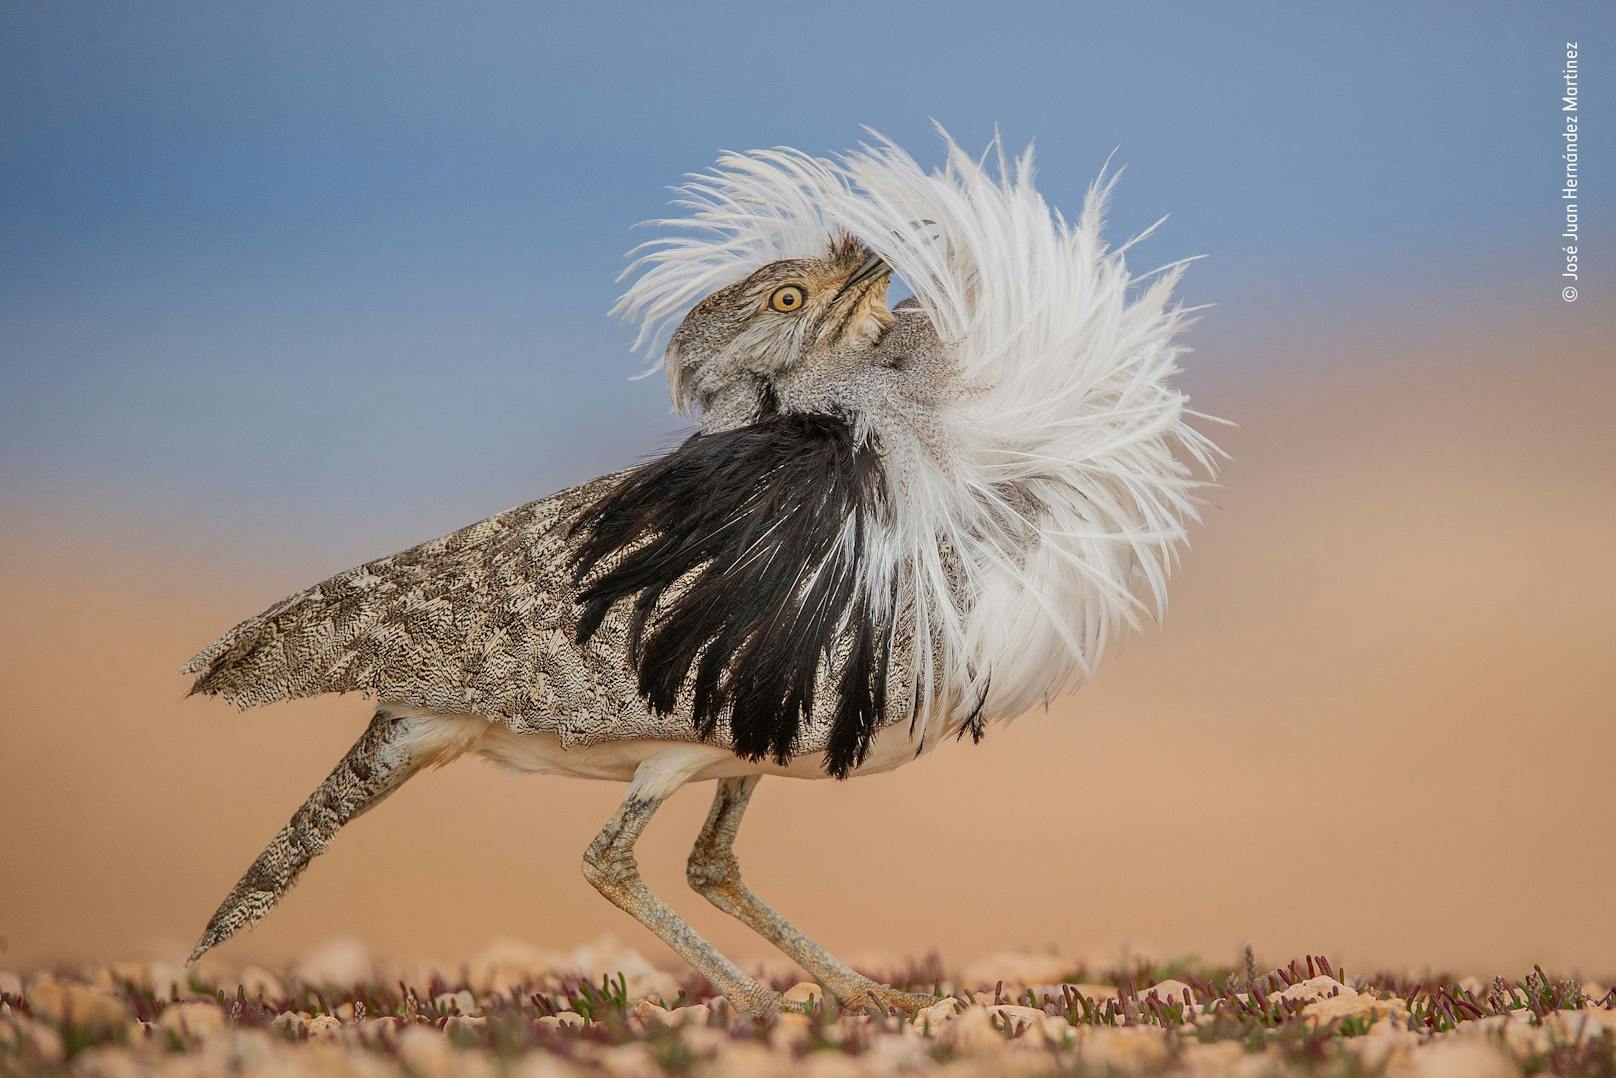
{"points": [[714, 872], [610, 866], [377, 765]]}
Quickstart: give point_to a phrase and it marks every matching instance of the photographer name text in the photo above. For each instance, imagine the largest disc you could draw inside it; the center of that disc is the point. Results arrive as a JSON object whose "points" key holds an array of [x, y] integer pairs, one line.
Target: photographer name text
{"points": [[1569, 154]]}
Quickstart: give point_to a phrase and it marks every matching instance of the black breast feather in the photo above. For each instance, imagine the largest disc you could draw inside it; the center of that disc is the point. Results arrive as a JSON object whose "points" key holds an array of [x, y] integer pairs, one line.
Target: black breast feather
{"points": [[748, 523]]}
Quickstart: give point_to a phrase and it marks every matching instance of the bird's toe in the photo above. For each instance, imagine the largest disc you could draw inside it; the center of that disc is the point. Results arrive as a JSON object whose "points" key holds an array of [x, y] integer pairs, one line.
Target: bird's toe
{"points": [[761, 1004], [906, 1002], [883, 999]]}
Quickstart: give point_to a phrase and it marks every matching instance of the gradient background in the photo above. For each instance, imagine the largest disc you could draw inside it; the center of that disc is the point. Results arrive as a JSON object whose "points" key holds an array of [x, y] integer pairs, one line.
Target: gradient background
{"points": [[284, 290]]}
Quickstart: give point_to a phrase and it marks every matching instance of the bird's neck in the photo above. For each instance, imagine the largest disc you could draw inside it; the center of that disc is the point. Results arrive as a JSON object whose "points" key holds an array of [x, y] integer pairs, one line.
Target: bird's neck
{"points": [[736, 405]]}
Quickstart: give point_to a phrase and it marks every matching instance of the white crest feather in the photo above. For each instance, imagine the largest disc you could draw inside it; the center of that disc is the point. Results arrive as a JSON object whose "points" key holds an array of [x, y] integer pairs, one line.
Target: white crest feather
{"points": [[1065, 362]]}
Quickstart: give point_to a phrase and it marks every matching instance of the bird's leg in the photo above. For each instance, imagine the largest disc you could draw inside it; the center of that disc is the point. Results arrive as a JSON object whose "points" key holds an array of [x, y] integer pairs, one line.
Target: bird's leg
{"points": [[610, 866], [714, 872]]}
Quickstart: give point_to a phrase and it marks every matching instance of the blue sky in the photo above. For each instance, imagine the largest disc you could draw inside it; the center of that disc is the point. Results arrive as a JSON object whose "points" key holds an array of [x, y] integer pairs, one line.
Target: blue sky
{"points": [[316, 266]]}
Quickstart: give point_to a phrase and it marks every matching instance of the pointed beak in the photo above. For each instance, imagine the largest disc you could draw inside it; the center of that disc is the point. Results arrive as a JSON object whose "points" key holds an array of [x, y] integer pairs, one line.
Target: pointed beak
{"points": [[873, 266]]}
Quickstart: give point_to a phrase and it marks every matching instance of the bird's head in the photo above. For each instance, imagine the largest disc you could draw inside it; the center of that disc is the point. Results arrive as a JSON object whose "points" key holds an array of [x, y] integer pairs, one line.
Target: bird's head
{"points": [[736, 351]]}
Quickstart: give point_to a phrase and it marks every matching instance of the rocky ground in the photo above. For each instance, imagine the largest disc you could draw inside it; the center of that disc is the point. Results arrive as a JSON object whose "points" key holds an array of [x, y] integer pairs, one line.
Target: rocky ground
{"points": [[520, 1011]]}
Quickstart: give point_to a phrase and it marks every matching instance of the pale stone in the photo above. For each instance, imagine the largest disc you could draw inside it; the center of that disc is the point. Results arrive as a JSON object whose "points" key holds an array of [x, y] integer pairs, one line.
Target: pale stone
{"points": [[972, 1032], [829, 1065], [1571, 1027], [1125, 1049], [849, 1024], [107, 1061], [804, 992], [900, 1054], [426, 1050], [1168, 991], [323, 1025], [788, 1030], [1356, 1005], [939, 1014], [1450, 1057], [341, 960], [328, 1057], [747, 1058], [651, 1015], [1514, 1029], [33, 1037], [703, 1039], [1316, 988], [539, 1065], [1015, 1018], [85, 1005], [463, 1001], [250, 1051], [197, 1019], [467, 1063], [456, 1023], [564, 1020], [630, 1061], [291, 1023], [1057, 1030], [693, 1014], [10, 984], [1385, 1046], [1214, 1059]]}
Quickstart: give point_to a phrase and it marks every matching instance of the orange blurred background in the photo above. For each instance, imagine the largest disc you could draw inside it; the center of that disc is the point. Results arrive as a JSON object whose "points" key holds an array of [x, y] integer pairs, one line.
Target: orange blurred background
{"points": [[1379, 722]]}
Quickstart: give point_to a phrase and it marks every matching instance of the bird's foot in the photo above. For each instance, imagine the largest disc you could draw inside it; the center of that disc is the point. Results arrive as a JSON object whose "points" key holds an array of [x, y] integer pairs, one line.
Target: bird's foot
{"points": [[884, 998], [792, 1006], [764, 1004]]}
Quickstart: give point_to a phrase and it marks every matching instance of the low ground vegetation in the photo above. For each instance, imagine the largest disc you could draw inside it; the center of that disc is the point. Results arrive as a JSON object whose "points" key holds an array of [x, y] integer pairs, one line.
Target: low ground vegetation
{"points": [[602, 1009]]}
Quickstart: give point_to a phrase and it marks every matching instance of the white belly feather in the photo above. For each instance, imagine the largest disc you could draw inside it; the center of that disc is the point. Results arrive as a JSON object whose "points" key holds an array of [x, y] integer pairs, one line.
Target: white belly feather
{"points": [[438, 739]]}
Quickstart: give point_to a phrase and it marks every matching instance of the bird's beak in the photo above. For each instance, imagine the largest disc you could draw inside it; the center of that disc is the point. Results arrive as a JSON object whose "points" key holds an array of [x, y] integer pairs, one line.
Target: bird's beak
{"points": [[873, 266]]}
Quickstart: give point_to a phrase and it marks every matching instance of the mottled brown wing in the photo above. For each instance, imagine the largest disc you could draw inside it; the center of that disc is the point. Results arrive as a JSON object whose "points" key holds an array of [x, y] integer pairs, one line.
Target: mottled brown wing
{"points": [[469, 623]]}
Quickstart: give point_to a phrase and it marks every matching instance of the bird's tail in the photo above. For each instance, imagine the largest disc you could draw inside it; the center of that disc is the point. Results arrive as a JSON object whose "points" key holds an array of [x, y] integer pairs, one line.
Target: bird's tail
{"points": [[377, 765]]}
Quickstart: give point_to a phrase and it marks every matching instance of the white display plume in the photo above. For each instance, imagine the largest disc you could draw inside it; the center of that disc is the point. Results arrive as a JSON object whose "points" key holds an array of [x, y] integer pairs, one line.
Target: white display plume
{"points": [[1065, 400]]}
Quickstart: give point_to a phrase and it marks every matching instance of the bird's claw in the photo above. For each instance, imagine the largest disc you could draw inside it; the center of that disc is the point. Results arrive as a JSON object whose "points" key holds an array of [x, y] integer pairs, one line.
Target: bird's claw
{"points": [[884, 999]]}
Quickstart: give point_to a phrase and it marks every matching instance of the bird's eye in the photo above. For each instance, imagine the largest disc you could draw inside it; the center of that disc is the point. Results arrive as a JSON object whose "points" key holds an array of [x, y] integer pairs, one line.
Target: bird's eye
{"points": [[787, 299]]}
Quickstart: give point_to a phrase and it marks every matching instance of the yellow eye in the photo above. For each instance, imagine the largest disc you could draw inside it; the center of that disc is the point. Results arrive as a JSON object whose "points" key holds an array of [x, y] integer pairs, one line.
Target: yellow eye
{"points": [[787, 299]]}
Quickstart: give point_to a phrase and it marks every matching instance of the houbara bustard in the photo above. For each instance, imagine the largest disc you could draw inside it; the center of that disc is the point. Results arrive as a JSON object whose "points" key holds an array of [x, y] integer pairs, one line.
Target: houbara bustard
{"points": [[892, 527]]}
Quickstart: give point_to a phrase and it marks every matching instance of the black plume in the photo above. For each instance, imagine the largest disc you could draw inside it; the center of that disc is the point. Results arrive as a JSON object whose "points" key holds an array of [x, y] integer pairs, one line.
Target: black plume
{"points": [[730, 552]]}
